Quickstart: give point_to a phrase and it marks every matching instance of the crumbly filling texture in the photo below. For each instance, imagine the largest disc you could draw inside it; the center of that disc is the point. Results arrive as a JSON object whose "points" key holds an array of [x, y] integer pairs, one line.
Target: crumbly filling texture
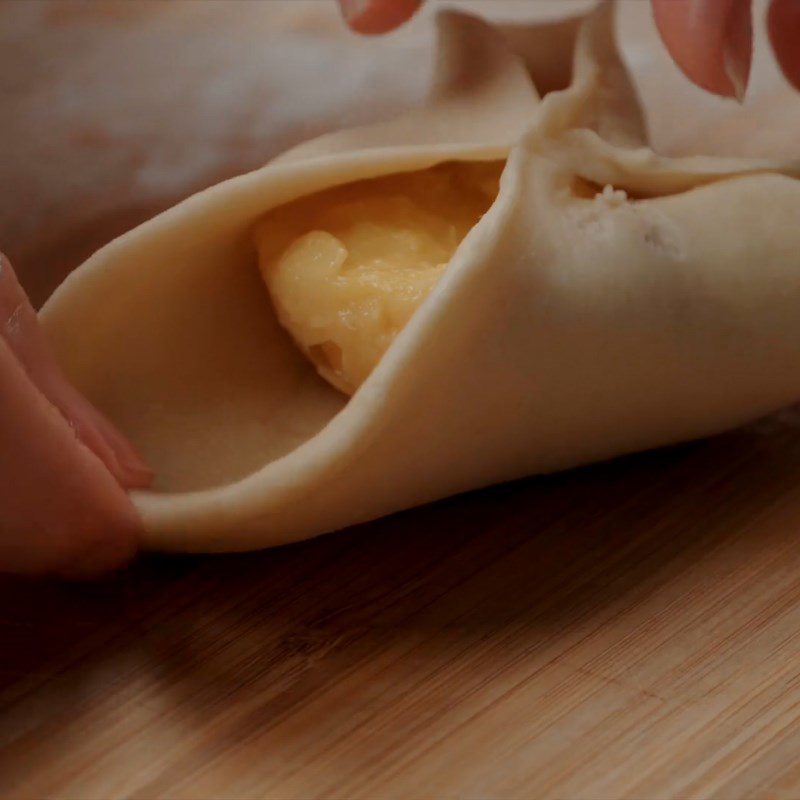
{"points": [[347, 268]]}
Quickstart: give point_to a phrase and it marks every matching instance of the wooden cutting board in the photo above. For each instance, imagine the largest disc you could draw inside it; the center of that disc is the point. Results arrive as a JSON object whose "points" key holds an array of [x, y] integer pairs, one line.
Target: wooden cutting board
{"points": [[630, 630]]}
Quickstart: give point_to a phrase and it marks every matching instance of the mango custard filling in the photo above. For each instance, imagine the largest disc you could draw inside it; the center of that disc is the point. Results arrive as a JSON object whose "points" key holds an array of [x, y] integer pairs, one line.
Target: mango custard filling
{"points": [[347, 268]]}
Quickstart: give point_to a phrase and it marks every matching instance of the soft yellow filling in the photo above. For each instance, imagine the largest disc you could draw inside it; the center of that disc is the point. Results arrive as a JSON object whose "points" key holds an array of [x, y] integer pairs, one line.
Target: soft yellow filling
{"points": [[347, 267]]}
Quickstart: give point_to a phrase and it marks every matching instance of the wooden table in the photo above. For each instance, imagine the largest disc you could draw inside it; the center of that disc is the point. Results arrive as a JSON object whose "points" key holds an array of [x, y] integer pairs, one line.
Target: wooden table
{"points": [[627, 630]]}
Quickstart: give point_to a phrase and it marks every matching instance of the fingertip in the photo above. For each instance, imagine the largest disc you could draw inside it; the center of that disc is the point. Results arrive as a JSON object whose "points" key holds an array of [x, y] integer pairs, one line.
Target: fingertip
{"points": [[98, 433], [102, 554], [373, 17], [710, 41], [20, 328], [61, 511], [97, 532], [783, 26]]}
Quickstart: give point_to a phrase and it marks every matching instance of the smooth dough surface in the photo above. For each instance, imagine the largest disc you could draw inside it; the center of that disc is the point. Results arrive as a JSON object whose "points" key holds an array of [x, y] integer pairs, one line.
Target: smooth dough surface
{"points": [[609, 300]]}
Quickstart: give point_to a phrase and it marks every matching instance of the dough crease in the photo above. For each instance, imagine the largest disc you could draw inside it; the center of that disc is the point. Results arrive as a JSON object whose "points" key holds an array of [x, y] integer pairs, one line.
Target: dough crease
{"points": [[609, 301]]}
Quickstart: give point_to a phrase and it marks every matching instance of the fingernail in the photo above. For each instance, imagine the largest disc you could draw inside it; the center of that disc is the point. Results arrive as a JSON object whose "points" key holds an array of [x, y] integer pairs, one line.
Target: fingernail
{"points": [[94, 429], [737, 47], [372, 17], [711, 41], [131, 472], [783, 24], [737, 75]]}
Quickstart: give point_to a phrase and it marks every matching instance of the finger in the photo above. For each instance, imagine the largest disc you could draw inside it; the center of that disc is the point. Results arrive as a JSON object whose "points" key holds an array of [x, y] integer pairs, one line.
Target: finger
{"points": [[377, 16], [710, 40], [61, 510], [20, 328], [783, 24]]}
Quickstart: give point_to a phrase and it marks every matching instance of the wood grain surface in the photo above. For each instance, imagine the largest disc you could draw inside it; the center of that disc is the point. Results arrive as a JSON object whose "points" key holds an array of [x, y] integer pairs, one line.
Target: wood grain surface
{"points": [[629, 630]]}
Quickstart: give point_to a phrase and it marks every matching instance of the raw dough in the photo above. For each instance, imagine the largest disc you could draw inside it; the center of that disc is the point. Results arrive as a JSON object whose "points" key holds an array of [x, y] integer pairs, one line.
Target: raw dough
{"points": [[610, 300]]}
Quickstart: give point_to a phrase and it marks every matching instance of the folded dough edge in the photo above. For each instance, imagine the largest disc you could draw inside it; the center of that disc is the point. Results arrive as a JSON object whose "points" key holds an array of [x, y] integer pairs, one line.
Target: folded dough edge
{"points": [[595, 310]]}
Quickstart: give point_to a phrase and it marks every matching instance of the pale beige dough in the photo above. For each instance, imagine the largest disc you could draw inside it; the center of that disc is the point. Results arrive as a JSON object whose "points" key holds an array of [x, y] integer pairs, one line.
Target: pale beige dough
{"points": [[608, 300]]}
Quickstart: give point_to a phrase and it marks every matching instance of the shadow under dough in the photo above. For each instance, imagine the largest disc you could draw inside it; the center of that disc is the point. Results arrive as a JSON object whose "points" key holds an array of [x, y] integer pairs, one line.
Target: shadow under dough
{"points": [[526, 564]]}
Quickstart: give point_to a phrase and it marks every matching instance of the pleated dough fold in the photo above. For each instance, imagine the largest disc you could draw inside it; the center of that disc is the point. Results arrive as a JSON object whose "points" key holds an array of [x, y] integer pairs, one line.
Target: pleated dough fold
{"points": [[609, 301]]}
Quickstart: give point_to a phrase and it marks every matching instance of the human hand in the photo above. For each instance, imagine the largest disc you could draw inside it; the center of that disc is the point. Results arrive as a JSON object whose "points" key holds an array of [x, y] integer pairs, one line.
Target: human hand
{"points": [[710, 40], [63, 467]]}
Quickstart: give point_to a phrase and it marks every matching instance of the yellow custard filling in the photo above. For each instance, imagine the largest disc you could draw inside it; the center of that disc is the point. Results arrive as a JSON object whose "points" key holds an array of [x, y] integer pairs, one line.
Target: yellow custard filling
{"points": [[347, 267]]}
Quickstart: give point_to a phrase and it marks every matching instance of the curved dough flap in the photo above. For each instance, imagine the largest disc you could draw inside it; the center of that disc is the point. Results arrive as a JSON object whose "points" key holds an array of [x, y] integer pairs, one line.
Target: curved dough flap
{"points": [[609, 301]]}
